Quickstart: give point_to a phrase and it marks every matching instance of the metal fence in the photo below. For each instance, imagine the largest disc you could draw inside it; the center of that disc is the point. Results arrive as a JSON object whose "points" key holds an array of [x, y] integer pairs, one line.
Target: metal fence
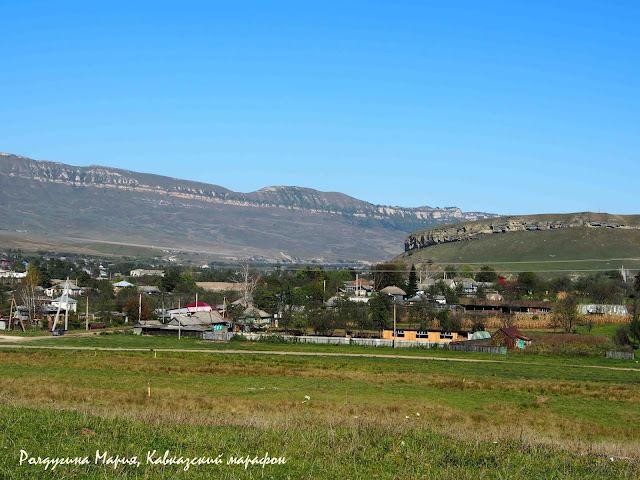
{"points": [[620, 355]]}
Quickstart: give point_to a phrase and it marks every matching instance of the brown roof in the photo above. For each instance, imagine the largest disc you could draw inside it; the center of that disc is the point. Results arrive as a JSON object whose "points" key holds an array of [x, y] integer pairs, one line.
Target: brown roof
{"points": [[513, 332]]}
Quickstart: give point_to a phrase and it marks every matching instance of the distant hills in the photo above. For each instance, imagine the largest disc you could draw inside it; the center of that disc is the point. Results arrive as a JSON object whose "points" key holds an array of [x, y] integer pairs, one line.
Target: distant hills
{"points": [[550, 242], [101, 209]]}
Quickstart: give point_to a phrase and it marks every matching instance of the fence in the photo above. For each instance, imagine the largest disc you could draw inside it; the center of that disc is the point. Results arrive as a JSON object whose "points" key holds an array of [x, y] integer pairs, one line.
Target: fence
{"points": [[368, 342], [620, 355], [461, 347], [217, 336]]}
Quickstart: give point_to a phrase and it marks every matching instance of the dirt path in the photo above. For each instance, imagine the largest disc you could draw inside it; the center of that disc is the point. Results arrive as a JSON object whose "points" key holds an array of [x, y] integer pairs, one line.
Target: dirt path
{"points": [[299, 354]]}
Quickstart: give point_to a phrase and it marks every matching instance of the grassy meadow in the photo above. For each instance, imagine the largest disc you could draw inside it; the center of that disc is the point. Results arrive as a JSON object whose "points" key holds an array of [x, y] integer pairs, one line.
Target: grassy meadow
{"points": [[566, 249], [367, 417]]}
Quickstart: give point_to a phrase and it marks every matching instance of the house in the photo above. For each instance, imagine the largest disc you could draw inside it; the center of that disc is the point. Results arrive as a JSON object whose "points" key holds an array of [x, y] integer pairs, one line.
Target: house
{"points": [[256, 317], [65, 303], [120, 285], [12, 274], [469, 287], [396, 293], [360, 287], [191, 309], [426, 284], [440, 299], [64, 288], [432, 336], [149, 290], [221, 286], [211, 317], [511, 337], [141, 272]]}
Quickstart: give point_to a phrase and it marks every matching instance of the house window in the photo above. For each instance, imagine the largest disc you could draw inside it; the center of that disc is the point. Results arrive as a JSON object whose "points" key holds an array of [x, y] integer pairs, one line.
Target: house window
{"points": [[399, 333], [444, 335], [422, 334]]}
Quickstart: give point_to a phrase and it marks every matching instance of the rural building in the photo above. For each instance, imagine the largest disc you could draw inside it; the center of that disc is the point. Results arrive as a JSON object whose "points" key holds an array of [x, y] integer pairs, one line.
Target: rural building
{"points": [[396, 293], [221, 286], [141, 272], [255, 317], [120, 285], [511, 337], [149, 290], [599, 309], [432, 336], [361, 286], [65, 303], [497, 306]]}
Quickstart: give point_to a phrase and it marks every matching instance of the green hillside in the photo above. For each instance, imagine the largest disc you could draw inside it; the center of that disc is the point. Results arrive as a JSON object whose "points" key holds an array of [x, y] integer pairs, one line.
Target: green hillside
{"points": [[571, 249]]}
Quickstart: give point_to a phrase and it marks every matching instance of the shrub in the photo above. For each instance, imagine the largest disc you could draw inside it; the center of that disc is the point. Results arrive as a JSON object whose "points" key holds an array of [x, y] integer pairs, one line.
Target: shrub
{"points": [[621, 336]]}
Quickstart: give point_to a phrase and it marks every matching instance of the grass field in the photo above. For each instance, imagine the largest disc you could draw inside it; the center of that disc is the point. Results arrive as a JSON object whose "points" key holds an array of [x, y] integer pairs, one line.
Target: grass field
{"points": [[511, 419], [567, 249]]}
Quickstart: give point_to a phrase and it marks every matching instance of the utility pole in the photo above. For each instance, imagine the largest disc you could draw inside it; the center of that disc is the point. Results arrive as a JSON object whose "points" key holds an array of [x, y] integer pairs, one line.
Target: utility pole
{"points": [[140, 309], [179, 322], [86, 315], [66, 308], [394, 325]]}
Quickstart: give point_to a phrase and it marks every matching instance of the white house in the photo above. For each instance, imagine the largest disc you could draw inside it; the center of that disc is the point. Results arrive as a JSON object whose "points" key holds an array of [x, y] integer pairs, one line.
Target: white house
{"points": [[139, 272], [65, 303]]}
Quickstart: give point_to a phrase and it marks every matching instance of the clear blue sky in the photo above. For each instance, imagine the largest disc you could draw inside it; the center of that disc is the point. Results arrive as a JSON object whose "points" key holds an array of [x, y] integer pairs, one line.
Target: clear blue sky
{"points": [[490, 106]]}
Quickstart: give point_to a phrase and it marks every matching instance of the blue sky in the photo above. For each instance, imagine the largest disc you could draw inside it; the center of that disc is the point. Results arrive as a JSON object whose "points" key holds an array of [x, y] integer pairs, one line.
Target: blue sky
{"points": [[489, 106]]}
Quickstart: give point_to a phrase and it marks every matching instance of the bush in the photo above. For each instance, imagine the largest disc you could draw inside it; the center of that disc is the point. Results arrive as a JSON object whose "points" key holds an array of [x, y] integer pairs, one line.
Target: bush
{"points": [[477, 327], [621, 336]]}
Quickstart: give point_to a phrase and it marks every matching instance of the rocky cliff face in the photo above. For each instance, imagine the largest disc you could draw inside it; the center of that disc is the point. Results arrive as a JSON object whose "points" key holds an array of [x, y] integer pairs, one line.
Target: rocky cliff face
{"points": [[471, 230], [292, 198]]}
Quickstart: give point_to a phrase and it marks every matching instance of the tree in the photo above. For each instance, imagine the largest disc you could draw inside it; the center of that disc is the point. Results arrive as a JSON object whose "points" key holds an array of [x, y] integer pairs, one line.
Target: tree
{"points": [[381, 308], [529, 281], [566, 313], [486, 274], [449, 322], [131, 308], [412, 285], [170, 280], [387, 274], [477, 327], [467, 271], [422, 314]]}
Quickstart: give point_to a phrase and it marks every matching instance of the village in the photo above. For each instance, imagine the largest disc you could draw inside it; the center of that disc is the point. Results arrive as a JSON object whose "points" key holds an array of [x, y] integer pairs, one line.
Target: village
{"points": [[387, 305]]}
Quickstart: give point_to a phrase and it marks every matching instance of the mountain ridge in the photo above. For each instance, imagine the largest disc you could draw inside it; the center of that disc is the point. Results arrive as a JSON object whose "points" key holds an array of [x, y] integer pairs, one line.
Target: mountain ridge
{"points": [[105, 203]]}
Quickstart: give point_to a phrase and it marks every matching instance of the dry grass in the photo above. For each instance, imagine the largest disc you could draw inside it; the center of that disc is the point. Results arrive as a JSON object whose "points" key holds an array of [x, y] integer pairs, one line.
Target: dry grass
{"points": [[542, 322]]}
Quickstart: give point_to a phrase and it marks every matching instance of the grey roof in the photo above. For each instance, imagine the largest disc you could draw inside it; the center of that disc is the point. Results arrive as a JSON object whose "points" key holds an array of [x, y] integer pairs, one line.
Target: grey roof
{"points": [[64, 299], [123, 283]]}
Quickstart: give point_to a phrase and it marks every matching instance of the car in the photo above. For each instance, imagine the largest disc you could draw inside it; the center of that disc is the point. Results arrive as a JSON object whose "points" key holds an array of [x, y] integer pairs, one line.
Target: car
{"points": [[57, 333]]}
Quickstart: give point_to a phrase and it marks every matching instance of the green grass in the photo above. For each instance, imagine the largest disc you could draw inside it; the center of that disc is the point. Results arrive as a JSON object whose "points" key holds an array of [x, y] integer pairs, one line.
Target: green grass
{"points": [[338, 452], [530, 248], [526, 419], [116, 340]]}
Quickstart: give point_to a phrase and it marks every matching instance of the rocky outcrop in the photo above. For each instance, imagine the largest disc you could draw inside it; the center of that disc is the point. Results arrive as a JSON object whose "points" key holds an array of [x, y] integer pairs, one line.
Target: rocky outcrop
{"points": [[471, 230]]}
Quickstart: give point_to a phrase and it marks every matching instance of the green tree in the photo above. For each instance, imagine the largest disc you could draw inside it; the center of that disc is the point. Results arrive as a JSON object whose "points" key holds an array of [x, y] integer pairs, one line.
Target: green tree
{"points": [[566, 313], [529, 281], [467, 271], [412, 285], [170, 280], [486, 274], [387, 274], [381, 309]]}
